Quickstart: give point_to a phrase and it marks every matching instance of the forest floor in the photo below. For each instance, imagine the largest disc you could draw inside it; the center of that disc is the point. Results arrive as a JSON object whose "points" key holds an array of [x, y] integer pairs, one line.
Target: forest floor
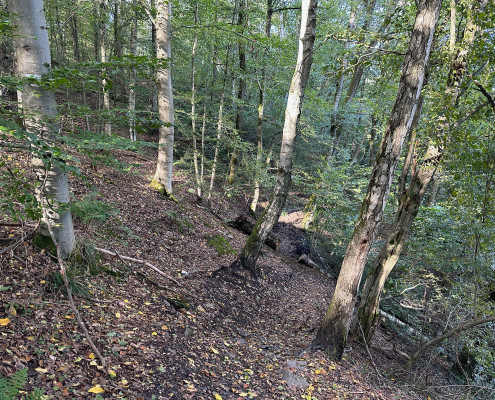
{"points": [[207, 333]]}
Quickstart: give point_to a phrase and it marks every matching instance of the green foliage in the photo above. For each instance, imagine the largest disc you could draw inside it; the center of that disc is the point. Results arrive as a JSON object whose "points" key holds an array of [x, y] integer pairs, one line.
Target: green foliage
{"points": [[91, 209], [10, 387]]}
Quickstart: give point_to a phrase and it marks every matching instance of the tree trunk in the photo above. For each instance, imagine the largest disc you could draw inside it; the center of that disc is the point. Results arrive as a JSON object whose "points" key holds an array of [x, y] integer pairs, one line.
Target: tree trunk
{"points": [[132, 82], [103, 59], [252, 248], [39, 108], [75, 35], [163, 175], [332, 334], [409, 203], [193, 108], [241, 92], [261, 108], [219, 127]]}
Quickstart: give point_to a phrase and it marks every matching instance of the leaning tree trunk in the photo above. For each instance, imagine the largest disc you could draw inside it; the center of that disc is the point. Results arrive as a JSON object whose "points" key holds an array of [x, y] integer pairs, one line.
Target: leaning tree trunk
{"points": [[39, 108], [332, 334], [409, 202], [252, 248], [163, 175], [368, 313]]}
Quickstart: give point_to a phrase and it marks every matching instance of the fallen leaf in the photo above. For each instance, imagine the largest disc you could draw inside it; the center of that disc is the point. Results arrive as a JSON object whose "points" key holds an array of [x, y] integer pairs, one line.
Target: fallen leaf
{"points": [[42, 370], [96, 389], [4, 321], [92, 356], [218, 397], [117, 314], [214, 350]]}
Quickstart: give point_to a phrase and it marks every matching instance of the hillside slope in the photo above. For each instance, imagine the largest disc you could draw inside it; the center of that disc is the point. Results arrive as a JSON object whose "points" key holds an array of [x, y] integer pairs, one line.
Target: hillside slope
{"points": [[207, 333]]}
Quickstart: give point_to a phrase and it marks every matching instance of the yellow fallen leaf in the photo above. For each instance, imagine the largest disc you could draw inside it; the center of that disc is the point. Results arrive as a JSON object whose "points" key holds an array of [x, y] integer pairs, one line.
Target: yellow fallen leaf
{"points": [[244, 394], [218, 397], [92, 356], [4, 321], [117, 314], [96, 389], [42, 370], [199, 308], [12, 311], [42, 281], [214, 350], [112, 373], [154, 333]]}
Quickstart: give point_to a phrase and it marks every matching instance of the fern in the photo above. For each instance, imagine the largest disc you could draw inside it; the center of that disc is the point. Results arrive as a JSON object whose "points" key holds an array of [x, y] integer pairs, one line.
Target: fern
{"points": [[9, 387]]}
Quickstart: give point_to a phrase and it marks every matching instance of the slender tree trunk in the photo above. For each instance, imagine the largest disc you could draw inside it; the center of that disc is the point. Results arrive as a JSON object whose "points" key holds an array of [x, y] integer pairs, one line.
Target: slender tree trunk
{"points": [[103, 59], [193, 108], [75, 34], [252, 248], [332, 334], [409, 203], [39, 108], [241, 92], [132, 81], [163, 175], [261, 108], [154, 93]]}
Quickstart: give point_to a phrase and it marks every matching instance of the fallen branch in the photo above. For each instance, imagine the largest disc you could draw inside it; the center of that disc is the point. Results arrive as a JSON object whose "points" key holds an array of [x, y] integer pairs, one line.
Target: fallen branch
{"points": [[380, 377], [67, 286], [142, 262], [467, 325], [304, 259]]}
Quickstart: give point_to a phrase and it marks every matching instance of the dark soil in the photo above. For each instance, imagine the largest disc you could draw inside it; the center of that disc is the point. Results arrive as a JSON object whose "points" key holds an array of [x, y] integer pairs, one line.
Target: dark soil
{"points": [[221, 334]]}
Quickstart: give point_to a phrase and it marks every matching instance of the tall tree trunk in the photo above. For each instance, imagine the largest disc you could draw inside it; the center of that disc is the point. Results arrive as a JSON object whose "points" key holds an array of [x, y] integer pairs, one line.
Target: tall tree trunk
{"points": [[154, 93], [332, 334], [75, 34], [39, 108], [261, 108], [252, 248], [132, 81], [241, 92], [163, 175], [103, 59], [193, 108], [409, 203], [219, 127]]}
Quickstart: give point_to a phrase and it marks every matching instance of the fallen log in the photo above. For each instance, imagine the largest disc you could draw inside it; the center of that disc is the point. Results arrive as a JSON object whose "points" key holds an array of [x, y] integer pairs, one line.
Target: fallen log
{"points": [[243, 224], [304, 259]]}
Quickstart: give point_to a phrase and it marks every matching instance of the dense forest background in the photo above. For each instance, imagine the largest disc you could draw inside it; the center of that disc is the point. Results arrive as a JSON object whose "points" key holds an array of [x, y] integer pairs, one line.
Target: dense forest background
{"points": [[228, 66]]}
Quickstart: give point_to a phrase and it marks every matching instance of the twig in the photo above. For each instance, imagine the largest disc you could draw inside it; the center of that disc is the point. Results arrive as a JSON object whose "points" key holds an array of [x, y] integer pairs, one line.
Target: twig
{"points": [[368, 351], [138, 261], [67, 286]]}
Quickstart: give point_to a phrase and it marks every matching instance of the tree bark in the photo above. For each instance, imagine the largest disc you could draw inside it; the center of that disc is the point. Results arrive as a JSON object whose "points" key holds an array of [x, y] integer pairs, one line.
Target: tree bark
{"points": [[103, 59], [332, 334], [132, 82], [163, 175], [193, 108], [241, 92], [39, 108], [264, 224], [261, 109], [409, 203]]}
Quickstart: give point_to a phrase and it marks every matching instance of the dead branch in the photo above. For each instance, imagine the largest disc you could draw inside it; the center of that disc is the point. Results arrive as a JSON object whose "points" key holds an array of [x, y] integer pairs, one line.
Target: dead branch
{"points": [[142, 262], [67, 286], [467, 325]]}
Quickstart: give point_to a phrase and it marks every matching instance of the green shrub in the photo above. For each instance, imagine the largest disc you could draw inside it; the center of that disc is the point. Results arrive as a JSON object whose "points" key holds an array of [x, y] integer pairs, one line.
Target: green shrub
{"points": [[9, 387]]}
